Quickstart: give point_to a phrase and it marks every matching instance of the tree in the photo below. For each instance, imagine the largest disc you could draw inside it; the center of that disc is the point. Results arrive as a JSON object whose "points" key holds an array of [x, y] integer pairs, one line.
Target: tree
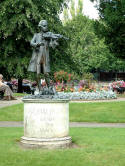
{"points": [[112, 19], [18, 23], [72, 10], [88, 51]]}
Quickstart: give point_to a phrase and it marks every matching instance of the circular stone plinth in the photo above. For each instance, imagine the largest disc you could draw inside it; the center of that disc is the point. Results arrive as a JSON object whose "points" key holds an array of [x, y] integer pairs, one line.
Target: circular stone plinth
{"points": [[51, 143], [46, 124]]}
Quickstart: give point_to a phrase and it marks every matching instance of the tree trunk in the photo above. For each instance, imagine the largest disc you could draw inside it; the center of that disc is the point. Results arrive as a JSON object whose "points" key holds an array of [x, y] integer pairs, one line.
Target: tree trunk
{"points": [[20, 87]]}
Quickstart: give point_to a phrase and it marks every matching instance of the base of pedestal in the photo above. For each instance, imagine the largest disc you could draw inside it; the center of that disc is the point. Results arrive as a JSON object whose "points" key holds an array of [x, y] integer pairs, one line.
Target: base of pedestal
{"points": [[46, 143]]}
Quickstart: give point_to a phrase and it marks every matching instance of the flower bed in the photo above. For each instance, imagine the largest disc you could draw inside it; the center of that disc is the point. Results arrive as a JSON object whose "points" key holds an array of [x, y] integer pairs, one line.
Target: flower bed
{"points": [[118, 86], [67, 87], [87, 95]]}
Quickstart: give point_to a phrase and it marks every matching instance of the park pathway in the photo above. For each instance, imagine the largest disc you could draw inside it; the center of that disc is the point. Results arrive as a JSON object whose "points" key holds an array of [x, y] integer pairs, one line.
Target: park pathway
{"points": [[4, 103], [72, 124]]}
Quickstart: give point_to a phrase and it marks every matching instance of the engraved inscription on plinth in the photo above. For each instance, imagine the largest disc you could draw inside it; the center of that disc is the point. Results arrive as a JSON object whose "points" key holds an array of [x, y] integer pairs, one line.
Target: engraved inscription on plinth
{"points": [[46, 120], [46, 124]]}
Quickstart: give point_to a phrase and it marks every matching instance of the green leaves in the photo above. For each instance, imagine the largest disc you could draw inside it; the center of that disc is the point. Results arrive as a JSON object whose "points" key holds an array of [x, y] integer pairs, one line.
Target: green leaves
{"points": [[112, 17], [86, 49], [18, 22]]}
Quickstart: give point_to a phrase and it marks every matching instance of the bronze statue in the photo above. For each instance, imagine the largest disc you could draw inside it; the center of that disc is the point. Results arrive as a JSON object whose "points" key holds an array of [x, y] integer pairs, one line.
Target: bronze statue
{"points": [[40, 62]]}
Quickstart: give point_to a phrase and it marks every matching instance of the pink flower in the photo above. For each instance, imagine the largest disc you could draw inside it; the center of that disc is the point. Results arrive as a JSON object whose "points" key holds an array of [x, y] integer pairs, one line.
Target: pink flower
{"points": [[123, 85]]}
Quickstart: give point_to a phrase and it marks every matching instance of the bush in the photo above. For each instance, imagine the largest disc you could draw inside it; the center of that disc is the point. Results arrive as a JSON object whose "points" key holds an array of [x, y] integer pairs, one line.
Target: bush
{"points": [[63, 77]]}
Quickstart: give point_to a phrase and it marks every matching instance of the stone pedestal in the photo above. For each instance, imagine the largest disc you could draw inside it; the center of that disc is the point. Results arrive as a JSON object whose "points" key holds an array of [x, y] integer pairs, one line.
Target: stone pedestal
{"points": [[46, 123]]}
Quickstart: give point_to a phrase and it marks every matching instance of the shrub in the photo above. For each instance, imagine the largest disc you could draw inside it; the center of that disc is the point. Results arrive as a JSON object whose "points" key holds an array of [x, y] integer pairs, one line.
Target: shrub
{"points": [[63, 77]]}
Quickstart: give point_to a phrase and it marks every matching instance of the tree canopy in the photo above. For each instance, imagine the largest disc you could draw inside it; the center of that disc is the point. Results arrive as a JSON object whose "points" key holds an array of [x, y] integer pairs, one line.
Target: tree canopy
{"points": [[112, 19], [18, 23], [87, 50]]}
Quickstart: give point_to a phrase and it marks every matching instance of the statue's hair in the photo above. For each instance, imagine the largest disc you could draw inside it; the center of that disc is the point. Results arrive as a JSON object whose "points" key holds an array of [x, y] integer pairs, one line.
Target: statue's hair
{"points": [[40, 23], [1, 76]]}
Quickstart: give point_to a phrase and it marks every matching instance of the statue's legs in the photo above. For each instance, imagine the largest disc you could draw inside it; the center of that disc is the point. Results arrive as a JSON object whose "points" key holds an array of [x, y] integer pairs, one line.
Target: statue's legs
{"points": [[50, 84], [47, 79], [38, 76], [38, 82], [39, 70]]}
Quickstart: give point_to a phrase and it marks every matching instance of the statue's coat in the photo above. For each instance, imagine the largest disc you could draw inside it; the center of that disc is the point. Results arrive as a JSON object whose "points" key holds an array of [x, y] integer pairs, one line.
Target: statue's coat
{"points": [[40, 53]]}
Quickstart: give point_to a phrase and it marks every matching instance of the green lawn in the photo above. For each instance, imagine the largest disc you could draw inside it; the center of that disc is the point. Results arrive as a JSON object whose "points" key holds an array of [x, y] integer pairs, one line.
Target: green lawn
{"points": [[98, 112], [12, 113], [121, 95], [97, 147], [20, 94], [79, 112]]}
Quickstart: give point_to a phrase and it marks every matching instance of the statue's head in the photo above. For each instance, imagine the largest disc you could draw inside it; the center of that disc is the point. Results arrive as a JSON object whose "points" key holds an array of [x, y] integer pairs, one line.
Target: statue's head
{"points": [[43, 25]]}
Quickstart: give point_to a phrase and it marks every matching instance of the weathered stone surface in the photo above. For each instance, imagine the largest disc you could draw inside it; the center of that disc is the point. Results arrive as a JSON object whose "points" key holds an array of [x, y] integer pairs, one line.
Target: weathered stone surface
{"points": [[51, 143], [46, 122]]}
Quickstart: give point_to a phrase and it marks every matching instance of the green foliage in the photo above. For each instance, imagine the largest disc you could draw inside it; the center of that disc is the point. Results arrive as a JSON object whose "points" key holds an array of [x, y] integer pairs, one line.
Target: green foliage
{"points": [[86, 49], [112, 17], [18, 23], [65, 14], [72, 10], [80, 7], [89, 77]]}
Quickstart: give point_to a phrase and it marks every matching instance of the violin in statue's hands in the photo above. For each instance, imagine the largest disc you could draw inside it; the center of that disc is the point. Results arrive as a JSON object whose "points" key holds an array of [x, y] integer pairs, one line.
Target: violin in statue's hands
{"points": [[40, 44]]}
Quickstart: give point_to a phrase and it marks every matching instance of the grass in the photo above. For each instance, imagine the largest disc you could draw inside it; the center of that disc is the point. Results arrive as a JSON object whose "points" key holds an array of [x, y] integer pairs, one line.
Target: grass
{"points": [[98, 147], [121, 95], [79, 112], [20, 94], [12, 113], [98, 112]]}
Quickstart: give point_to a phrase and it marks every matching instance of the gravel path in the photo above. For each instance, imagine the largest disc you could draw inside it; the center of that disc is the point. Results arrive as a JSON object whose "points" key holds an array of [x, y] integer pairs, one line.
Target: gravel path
{"points": [[72, 124], [11, 124], [4, 103], [87, 124]]}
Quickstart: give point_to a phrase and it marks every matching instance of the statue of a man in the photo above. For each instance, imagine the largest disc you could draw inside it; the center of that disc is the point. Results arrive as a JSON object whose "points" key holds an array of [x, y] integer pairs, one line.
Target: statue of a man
{"points": [[40, 62]]}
